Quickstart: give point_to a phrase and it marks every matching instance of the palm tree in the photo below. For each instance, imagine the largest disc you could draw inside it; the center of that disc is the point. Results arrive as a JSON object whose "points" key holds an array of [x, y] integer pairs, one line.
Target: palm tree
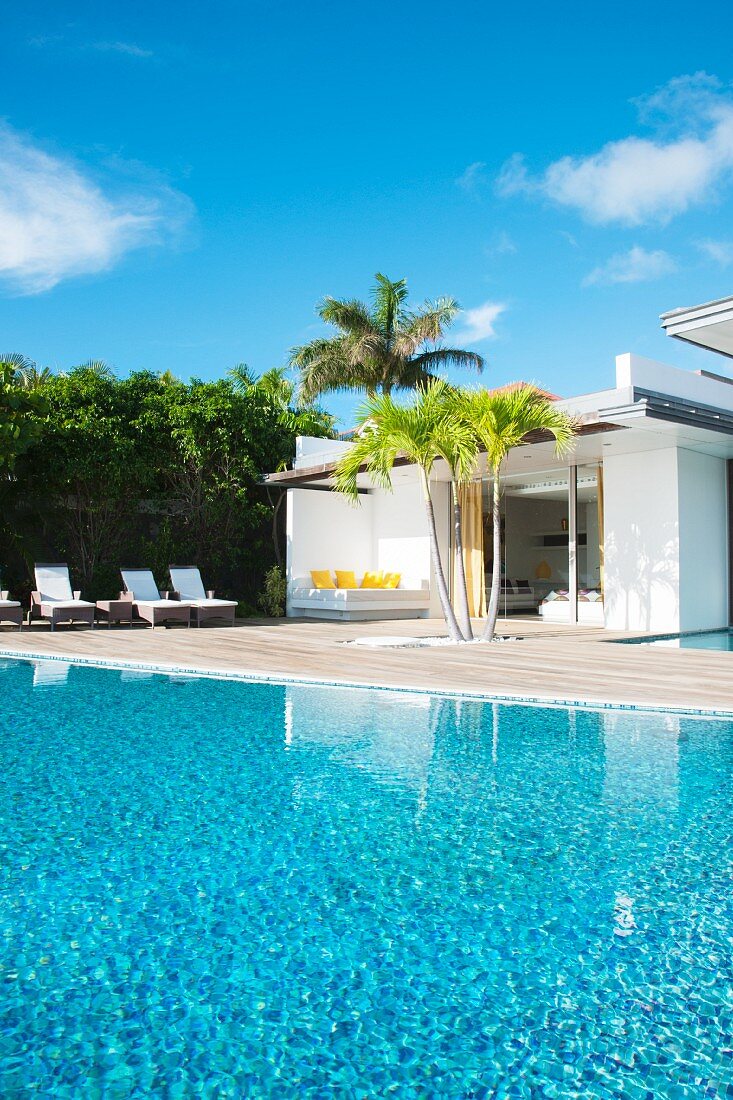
{"points": [[380, 347], [500, 420], [300, 419], [28, 375], [423, 433]]}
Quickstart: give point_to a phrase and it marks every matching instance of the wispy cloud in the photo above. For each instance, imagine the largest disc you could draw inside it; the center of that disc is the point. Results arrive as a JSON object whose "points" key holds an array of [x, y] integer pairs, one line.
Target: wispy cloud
{"points": [[473, 177], [58, 221], [721, 252], [638, 180], [478, 324], [502, 245], [74, 43], [635, 266], [128, 48]]}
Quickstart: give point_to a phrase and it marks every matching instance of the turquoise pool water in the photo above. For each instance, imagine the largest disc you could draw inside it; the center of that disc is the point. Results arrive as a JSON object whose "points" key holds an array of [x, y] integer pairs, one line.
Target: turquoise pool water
{"points": [[711, 639], [219, 889]]}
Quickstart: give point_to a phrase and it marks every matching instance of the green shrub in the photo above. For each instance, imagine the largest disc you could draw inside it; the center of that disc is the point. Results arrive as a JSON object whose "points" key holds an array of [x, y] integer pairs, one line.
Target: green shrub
{"points": [[272, 597]]}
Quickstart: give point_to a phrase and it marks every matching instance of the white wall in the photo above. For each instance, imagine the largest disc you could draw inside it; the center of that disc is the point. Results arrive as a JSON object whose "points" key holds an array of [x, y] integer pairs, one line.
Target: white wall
{"points": [[641, 589], [703, 541], [665, 541], [399, 533], [648, 374], [325, 531]]}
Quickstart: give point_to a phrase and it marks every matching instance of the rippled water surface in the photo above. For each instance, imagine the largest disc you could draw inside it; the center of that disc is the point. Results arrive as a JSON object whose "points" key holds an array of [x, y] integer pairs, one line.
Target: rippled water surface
{"points": [[230, 890]]}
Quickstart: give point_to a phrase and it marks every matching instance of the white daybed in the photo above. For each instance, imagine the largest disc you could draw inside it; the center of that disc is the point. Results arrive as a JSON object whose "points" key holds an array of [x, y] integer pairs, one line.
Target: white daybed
{"points": [[352, 604], [554, 608]]}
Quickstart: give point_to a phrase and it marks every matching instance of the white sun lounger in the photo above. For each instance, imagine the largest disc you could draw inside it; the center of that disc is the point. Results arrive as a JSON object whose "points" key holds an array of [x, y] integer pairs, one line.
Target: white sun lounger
{"points": [[10, 611], [148, 604], [54, 599], [188, 586]]}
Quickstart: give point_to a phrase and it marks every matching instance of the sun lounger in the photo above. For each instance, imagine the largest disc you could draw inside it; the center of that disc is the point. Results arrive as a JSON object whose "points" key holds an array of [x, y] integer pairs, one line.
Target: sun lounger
{"points": [[188, 586], [10, 610], [54, 599], [148, 604]]}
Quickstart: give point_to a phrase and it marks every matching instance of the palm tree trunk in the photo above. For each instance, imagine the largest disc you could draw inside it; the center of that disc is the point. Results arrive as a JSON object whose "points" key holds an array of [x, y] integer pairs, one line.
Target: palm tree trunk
{"points": [[453, 628], [493, 610], [464, 617]]}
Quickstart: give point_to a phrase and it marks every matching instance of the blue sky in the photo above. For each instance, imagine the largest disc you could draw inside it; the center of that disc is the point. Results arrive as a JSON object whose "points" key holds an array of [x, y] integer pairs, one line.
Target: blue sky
{"points": [[180, 184]]}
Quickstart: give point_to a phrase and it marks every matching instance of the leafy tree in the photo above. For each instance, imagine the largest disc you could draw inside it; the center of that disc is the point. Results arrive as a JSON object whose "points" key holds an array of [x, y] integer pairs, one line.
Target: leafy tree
{"points": [[304, 418], [18, 411], [381, 347], [422, 432], [146, 469], [499, 421]]}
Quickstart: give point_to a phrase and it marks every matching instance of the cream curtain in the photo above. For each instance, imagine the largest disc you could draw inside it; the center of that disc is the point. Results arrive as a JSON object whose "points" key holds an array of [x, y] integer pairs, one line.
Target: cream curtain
{"points": [[469, 497]]}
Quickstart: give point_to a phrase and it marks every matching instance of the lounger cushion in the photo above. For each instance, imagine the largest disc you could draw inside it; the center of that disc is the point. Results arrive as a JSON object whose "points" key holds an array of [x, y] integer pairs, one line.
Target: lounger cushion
{"points": [[141, 583], [53, 582], [162, 603], [212, 603], [49, 606], [187, 582], [9, 603]]}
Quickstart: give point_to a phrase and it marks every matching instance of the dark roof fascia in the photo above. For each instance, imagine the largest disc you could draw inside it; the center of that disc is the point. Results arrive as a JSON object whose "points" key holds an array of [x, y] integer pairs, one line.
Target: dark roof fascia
{"points": [[300, 478]]}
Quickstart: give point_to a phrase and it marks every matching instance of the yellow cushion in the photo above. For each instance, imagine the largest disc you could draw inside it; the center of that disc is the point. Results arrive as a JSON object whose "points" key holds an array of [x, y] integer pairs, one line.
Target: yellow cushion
{"points": [[346, 578], [391, 580], [322, 578], [372, 580]]}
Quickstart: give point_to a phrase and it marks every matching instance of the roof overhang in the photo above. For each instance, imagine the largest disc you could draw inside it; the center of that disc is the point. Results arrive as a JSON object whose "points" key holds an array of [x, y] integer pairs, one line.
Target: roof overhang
{"points": [[709, 325], [321, 476]]}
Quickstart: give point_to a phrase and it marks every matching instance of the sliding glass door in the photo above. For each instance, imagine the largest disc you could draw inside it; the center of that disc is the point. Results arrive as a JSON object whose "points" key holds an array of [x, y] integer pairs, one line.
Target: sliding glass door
{"points": [[551, 544]]}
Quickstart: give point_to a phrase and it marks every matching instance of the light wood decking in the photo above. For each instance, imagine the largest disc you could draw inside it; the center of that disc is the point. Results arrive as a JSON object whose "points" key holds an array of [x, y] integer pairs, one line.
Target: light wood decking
{"points": [[550, 662]]}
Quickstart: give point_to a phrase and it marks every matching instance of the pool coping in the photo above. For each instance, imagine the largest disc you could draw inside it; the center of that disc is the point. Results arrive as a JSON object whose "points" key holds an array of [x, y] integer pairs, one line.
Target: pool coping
{"points": [[250, 676]]}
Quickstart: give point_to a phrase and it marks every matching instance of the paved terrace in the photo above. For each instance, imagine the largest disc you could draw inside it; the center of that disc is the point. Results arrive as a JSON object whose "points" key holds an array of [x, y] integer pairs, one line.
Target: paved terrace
{"points": [[549, 662]]}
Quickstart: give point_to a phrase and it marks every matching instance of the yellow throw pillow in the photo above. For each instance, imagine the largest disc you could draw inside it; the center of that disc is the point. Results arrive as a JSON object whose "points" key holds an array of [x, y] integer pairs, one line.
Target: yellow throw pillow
{"points": [[391, 580], [372, 580], [322, 578], [346, 578]]}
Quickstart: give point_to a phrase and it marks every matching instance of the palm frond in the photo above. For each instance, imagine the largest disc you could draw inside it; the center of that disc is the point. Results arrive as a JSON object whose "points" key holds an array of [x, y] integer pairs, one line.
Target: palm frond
{"points": [[388, 297], [444, 358], [501, 419], [350, 316]]}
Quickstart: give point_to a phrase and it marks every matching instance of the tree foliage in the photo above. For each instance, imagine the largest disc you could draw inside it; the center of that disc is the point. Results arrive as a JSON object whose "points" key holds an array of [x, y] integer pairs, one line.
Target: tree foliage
{"points": [[380, 347], [148, 470], [19, 409]]}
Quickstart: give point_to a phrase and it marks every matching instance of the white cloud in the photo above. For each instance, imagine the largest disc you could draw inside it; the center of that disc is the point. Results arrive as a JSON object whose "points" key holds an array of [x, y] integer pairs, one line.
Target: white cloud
{"points": [[472, 178], [56, 221], [478, 324], [638, 180], [635, 266], [128, 48], [719, 251]]}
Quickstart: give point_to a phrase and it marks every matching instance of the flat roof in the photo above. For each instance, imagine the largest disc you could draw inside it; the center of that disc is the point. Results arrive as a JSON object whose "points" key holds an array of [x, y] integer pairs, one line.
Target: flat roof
{"points": [[708, 325]]}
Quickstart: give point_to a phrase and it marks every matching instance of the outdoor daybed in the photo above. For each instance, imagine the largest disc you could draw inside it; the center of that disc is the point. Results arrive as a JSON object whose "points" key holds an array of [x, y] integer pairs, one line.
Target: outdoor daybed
{"points": [[306, 601], [554, 607]]}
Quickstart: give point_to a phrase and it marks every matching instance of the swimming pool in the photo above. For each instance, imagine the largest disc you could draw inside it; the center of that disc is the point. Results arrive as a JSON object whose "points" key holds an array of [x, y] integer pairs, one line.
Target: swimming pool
{"points": [[709, 639], [224, 889]]}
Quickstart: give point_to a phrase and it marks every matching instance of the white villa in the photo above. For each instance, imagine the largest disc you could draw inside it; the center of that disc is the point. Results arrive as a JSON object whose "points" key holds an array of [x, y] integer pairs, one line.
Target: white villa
{"points": [[632, 530]]}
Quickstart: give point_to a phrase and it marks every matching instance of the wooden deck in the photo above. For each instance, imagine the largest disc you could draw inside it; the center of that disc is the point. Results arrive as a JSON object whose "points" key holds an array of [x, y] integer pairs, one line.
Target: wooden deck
{"points": [[550, 662]]}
